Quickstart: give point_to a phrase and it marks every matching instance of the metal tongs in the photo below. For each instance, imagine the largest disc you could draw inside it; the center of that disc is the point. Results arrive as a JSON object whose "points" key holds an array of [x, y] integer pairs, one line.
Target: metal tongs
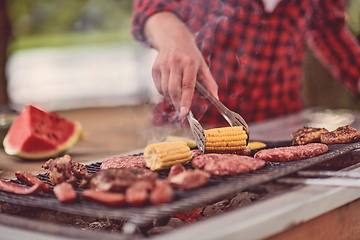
{"points": [[333, 178], [233, 118]]}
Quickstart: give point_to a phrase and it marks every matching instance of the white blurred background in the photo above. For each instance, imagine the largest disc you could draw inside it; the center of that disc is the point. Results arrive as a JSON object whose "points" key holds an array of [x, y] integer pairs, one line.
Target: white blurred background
{"points": [[81, 76], [73, 54]]}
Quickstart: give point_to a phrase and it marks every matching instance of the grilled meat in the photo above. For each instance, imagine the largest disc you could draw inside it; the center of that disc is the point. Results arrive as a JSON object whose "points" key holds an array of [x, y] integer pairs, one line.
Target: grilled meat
{"points": [[162, 193], [307, 135], [190, 179], [226, 164], [63, 169], [195, 153], [65, 192], [117, 179], [8, 186], [138, 193], [343, 134], [284, 154], [124, 162], [106, 198], [31, 180], [176, 169]]}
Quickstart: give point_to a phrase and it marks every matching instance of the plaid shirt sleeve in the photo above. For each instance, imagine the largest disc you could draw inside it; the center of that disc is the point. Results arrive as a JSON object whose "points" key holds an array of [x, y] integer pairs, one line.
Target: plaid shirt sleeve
{"points": [[143, 9], [334, 44], [198, 15]]}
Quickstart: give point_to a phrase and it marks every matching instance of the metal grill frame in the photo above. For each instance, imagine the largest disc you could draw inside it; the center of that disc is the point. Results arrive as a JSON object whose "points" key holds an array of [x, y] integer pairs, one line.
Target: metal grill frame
{"points": [[217, 188]]}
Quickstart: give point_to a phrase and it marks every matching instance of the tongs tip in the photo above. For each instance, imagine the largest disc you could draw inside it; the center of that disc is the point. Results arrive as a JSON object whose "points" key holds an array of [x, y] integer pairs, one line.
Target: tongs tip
{"points": [[198, 131]]}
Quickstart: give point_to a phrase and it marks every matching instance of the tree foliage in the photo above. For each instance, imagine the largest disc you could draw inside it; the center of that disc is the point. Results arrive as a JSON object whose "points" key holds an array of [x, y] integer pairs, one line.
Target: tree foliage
{"points": [[34, 17]]}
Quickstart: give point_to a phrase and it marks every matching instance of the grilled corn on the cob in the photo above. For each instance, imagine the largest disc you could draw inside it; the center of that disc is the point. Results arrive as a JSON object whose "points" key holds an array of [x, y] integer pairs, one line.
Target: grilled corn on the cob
{"points": [[165, 154], [190, 142], [225, 139]]}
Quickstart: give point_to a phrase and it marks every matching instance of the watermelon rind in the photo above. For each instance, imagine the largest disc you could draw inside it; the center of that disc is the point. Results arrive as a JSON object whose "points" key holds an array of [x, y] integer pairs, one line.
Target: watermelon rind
{"points": [[16, 148], [45, 155]]}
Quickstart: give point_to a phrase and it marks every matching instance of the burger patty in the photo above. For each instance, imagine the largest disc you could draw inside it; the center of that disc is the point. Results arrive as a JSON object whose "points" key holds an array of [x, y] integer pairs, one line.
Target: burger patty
{"points": [[124, 162], [307, 135], [284, 154], [343, 134], [226, 164]]}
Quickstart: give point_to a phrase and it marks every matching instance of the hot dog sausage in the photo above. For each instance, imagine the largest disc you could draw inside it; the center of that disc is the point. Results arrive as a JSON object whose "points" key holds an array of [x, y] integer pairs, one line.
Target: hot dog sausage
{"points": [[19, 189], [106, 198], [65, 192], [32, 180]]}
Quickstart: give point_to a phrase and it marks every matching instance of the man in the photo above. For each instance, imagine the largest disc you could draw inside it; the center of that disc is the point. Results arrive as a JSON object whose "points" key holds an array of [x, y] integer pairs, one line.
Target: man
{"points": [[248, 53]]}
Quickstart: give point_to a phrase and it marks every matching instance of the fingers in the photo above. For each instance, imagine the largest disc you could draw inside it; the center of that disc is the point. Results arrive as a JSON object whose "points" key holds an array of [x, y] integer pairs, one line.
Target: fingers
{"points": [[167, 80], [175, 72], [174, 87], [187, 87], [160, 74], [208, 81], [175, 80], [156, 74]]}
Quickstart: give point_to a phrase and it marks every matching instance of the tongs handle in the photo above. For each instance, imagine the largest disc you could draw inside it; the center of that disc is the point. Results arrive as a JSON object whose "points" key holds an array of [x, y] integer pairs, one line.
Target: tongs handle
{"points": [[223, 110], [338, 182], [337, 178]]}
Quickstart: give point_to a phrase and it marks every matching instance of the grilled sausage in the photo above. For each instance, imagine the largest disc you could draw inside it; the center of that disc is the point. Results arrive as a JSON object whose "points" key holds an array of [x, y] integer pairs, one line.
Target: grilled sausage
{"points": [[190, 179], [138, 193], [106, 198], [32, 180], [176, 169], [163, 193], [65, 192], [19, 189]]}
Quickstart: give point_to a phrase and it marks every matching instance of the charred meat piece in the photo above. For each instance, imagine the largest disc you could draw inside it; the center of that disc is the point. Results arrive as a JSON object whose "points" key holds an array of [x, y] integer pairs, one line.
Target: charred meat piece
{"points": [[195, 153], [138, 193], [307, 135], [190, 179], [117, 179], [284, 154], [162, 193], [176, 169], [107, 198], [124, 162], [63, 169], [226, 164], [19, 189], [345, 134], [31, 179], [65, 192]]}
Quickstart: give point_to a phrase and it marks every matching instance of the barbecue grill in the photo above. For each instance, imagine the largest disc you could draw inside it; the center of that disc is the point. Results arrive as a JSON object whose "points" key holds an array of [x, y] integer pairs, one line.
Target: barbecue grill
{"points": [[218, 188]]}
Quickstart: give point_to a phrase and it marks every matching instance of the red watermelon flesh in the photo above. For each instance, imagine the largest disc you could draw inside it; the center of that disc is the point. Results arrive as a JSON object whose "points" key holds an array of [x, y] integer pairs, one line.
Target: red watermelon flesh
{"points": [[38, 134]]}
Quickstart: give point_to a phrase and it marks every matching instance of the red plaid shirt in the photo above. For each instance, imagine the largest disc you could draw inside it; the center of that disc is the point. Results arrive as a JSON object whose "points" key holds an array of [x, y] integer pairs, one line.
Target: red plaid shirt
{"points": [[257, 57]]}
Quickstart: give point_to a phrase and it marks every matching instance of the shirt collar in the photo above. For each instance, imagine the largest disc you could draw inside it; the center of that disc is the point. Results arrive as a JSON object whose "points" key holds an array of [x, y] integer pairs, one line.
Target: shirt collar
{"points": [[270, 5]]}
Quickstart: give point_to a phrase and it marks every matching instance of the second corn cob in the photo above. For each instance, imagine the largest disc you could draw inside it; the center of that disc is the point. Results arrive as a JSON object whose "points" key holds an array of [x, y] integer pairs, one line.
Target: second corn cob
{"points": [[225, 139], [165, 154]]}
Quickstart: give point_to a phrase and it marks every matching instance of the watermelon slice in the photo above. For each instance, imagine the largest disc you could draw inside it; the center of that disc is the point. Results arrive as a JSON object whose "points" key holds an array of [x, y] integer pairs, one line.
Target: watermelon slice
{"points": [[37, 134]]}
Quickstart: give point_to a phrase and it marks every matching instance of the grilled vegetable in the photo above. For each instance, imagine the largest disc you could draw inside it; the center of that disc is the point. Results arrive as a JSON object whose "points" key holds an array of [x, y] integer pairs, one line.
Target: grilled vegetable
{"points": [[256, 145], [190, 142], [225, 139], [165, 154]]}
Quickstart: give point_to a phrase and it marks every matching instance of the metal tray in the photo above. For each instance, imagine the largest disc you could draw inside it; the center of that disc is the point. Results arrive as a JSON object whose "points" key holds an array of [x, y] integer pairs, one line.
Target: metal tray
{"points": [[217, 188]]}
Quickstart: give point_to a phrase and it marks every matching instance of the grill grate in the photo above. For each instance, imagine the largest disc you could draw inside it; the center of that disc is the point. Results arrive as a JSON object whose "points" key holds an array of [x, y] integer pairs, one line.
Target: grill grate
{"points": [[217, 188]]}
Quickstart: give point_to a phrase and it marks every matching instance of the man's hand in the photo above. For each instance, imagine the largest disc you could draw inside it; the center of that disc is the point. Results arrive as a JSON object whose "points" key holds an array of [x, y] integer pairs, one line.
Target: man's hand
{"points": [[179, 62]]}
